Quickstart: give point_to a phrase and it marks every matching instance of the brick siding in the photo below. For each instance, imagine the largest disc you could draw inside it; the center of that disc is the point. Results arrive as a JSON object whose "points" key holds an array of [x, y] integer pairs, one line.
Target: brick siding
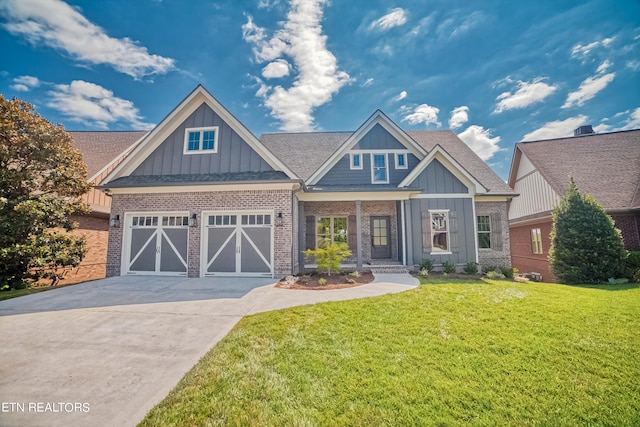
{"points": [[629, 225], [522, 253], [490, 256], [197, 202]]}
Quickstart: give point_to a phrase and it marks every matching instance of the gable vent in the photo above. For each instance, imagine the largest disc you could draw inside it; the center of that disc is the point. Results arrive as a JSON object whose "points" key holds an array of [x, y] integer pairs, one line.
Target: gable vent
{"points": [[583, 130]]}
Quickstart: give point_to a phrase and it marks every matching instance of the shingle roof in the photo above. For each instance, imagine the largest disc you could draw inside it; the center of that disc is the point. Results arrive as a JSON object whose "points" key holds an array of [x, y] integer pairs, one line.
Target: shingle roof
{"points": [[304, 153], [101, 148], [189, 179], [607, 166]]}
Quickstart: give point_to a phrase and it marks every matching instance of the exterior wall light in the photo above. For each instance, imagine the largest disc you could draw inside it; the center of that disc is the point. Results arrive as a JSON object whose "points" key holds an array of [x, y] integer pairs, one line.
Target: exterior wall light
{"points": [[115, 221], [279, 220], [193, 221]]}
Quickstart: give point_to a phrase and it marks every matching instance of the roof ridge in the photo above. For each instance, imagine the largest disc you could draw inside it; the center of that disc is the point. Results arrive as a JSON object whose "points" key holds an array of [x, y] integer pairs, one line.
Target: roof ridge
{"points": [[578, 136]]}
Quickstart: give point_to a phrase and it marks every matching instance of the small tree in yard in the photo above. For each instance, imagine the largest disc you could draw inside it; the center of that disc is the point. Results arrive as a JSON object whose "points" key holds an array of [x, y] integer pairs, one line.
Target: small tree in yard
{"points": [[585, 245], [329, 256], [41, 179]]}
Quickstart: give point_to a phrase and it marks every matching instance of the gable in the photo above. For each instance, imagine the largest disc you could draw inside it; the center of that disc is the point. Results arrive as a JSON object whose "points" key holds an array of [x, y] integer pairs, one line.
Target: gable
{"points": [[157, 152], [232, 154], [342, 174], [378, 138], [437, 179], [535, 194]]}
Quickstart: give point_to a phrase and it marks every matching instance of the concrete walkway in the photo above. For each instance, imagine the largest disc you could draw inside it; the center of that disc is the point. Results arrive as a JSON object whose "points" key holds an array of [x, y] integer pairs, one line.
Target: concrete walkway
{"points": [[105, 352]]}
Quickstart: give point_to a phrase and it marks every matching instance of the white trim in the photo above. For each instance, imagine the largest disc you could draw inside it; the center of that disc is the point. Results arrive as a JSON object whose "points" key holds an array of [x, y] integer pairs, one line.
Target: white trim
{"points": [[481, 198], [351, 165], [448, 219], [176, 118], [377, 117], [386, 167], [200, 150], [205, 188], [442, 196], [340, 196], [452, 166], [397, 165]]}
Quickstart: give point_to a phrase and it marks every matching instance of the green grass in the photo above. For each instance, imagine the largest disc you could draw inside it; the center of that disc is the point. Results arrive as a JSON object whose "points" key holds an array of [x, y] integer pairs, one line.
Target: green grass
{"points": [[453, 353], [14, 293]]}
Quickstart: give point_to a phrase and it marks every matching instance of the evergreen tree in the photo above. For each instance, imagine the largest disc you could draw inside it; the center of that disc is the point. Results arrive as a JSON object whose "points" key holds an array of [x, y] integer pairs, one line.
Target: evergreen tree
{"points": [[42, 177], [585, 245]]}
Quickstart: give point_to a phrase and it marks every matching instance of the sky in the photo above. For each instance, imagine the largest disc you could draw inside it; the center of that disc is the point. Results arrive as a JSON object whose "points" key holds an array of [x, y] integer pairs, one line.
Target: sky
{"points": [[493, 72]]}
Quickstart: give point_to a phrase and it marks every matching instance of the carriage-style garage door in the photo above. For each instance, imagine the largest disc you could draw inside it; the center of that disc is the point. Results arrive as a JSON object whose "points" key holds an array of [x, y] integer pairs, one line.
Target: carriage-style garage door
{"points": [[237, 244], [157, 243]]}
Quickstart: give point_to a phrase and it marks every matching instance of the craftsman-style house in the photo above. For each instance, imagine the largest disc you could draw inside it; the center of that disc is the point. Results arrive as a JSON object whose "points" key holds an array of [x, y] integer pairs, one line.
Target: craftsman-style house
{"points": [[200, 195]]}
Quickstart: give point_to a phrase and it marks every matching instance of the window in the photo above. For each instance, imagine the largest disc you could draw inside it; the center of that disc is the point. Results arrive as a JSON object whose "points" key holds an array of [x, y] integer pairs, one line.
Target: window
{"points": [[331, 229], [356, 161], [401, 161], [536, 241], [440, 231], [379, 173], [201, 140], [484, 232]]}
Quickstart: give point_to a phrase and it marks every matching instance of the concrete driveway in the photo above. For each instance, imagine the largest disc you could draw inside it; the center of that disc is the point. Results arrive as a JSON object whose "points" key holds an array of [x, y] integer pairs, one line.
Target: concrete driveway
{"points": [[105, 352]]}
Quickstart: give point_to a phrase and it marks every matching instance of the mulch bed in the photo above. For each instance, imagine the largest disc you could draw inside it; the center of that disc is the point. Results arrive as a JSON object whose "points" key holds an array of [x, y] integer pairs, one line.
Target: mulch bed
{"points": [[335, 281]]}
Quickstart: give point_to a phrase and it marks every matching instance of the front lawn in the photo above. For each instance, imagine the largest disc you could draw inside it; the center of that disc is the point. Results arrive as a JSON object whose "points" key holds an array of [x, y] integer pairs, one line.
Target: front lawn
{"points": [[456, 353], [14, 293]]}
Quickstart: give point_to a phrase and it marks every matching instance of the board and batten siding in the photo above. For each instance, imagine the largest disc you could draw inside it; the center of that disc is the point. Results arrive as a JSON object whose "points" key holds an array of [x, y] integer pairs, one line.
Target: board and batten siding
{"points": [[234, 154], [536, 195], [342, 174], [462, 230], [378, 139], [437, 179]]}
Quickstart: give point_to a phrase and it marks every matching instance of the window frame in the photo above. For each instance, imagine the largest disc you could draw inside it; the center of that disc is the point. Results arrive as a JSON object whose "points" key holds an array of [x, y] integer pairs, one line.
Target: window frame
{"points": [[332, 231], [447, 232], [398, 165], [373, 168], [201, 131], [536, 242], [485, 232], [352, 157]]}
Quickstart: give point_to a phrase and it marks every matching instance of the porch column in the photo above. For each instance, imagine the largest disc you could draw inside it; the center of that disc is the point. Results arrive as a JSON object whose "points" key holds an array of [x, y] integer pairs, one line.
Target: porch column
{"points": [[302, 232], [409, 232], [359, 234]]}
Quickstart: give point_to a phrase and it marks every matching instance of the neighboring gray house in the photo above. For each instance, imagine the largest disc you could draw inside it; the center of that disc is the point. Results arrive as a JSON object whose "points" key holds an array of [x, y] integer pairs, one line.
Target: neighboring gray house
{"points": [[202, 196]]}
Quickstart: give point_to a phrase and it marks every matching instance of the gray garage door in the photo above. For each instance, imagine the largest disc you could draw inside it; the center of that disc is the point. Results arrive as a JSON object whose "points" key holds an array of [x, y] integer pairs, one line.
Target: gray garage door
{"points": [[158, 244], [239, 244]]}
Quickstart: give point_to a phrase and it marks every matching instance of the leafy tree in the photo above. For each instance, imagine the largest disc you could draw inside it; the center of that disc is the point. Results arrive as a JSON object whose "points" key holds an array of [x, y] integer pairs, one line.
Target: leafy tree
{"points": [[42, 177], [585, 245], [329, 256]]}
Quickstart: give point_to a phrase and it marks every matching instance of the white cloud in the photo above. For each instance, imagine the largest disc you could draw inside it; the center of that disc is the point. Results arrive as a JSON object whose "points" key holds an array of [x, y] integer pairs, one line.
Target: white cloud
{"points": [[459, 25], [402, 95], [590, 87], [25, 83], [527, 93], [276, 69], [556, 129], [423, 113], [300, 38], [55, 24], [604, 67], [367, 82], [480, 141], [633, 122], [93, 105], [397, 17], [459, 116], [583, 51], [634, 65]]}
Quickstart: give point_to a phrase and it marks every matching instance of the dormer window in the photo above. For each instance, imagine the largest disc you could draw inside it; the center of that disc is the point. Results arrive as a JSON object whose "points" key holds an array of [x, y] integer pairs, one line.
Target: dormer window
{"points": [[401, 161], [379, 169], [356, 161], [201, 140]]}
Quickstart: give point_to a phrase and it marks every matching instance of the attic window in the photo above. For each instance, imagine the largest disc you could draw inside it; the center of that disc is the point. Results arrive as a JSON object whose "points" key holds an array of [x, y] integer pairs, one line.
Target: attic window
{"points": [[401, 161], [379, 170], [356, 161], [201, 140]]}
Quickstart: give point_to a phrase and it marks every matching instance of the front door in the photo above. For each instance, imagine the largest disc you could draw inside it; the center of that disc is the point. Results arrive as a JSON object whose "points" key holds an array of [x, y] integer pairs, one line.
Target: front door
{"points": [[380, 237]]}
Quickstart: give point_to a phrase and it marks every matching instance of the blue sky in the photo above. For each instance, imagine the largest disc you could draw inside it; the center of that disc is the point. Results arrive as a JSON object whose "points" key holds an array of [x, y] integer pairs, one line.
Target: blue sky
{"points": [[494, 72]]}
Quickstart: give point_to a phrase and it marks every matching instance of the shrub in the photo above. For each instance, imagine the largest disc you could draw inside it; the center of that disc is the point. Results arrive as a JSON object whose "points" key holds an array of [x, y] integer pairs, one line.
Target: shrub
{"points": [[632, 265], [585, 245], [356, 274], [488, 268], [329, 256], [471, 267], [507, 272], [449, 267], [322, 281], [424, 272], [426, 264], [494, 275]]}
